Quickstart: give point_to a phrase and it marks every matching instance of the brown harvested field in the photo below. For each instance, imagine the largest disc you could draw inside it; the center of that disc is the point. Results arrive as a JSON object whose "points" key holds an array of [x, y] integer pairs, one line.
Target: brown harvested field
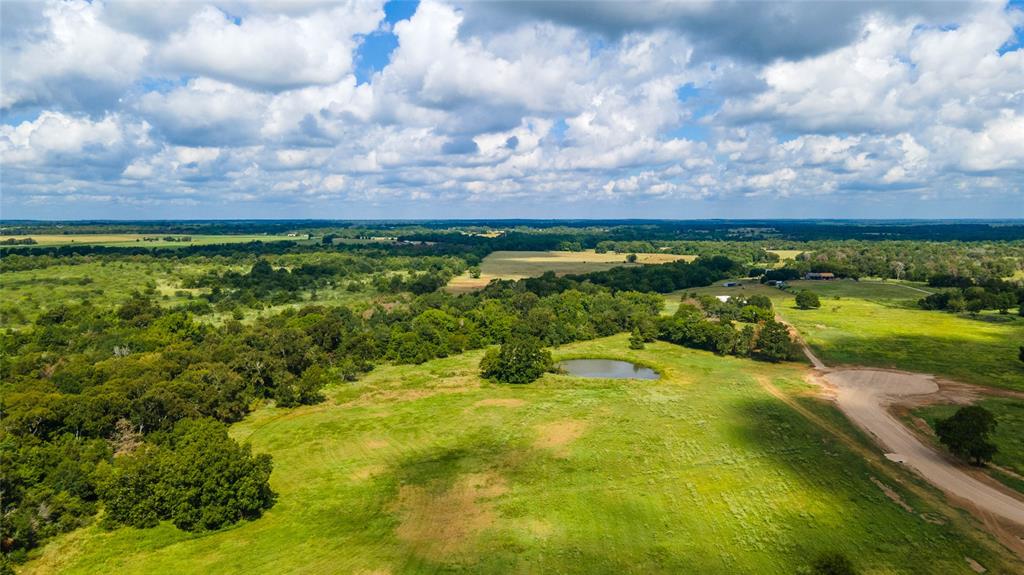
{"points": [[518, 265]]}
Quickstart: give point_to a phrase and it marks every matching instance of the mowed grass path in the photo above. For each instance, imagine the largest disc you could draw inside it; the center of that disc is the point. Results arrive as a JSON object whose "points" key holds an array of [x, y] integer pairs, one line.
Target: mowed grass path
{"points": [[426, 469]]}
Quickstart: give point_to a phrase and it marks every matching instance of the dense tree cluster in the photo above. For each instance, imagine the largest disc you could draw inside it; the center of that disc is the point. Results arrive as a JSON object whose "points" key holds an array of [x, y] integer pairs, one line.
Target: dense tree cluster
{"points": [[195, 476], [708, 324], [965, 294]]}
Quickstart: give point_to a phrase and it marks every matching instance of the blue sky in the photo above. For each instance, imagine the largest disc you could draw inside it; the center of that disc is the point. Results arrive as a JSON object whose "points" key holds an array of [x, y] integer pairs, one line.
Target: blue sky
{"points": [[511, 109]]}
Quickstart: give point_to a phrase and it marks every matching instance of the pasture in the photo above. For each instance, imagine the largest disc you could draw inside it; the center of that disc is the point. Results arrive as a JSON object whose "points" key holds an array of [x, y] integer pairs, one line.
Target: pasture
{"points": [[786, 254], [428, 469], [1009, 413], [147, 240], [878, 324], [856, 331], [517, 265]]}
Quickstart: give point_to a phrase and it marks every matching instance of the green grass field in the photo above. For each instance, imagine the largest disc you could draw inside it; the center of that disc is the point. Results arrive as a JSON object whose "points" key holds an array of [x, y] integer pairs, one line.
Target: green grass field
{"points": [[427, 469], [982, 351], [879, 324], [137, 240], [1009, 415]]}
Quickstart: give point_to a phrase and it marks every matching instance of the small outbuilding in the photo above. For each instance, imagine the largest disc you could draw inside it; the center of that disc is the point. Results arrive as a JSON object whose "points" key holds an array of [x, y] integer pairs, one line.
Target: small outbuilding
{"points": [[819, 276], [732, 284]]}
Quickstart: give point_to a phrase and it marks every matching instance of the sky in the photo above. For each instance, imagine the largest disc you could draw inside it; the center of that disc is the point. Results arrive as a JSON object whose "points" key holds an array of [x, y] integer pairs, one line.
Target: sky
{"points": [[568, 109]]}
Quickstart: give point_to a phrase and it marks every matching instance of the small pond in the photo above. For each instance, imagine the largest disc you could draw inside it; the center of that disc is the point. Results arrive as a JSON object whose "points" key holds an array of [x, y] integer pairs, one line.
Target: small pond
{"points": [[607, 368]]}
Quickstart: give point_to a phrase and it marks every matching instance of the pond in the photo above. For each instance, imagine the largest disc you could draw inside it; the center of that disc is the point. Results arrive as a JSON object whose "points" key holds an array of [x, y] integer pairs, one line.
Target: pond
{"points": [[607, 368]]}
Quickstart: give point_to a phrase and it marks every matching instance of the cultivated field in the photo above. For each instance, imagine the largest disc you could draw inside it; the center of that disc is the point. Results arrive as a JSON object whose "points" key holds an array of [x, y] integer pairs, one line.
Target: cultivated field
{"points": [[518, 265], [123, 240], [786, 254], [426, 469]]}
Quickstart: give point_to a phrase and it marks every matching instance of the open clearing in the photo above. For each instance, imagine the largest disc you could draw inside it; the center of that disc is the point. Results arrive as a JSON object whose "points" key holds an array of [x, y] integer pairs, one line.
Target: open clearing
{"points": [[138, 240], [512, 265], [786, 254], [878, 324], [427, 469]]}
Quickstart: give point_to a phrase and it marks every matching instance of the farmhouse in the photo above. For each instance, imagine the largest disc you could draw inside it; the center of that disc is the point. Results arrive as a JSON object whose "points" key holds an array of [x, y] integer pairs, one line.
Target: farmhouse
{"points": [[820, 276]]}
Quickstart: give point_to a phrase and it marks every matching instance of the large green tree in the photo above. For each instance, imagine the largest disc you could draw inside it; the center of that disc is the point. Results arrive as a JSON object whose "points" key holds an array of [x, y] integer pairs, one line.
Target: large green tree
{"points": [[774, 342], [521, 359], [967, 433]]}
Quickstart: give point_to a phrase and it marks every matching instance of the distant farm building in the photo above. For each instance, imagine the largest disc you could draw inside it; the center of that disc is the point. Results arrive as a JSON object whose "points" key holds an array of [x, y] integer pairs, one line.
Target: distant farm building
{"points": [[732, 284], [820, 276], [775, 283]]}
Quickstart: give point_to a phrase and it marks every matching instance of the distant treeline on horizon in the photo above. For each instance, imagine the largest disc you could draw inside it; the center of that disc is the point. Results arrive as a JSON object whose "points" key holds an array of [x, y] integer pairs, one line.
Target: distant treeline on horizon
{"points": [[735, 230]]}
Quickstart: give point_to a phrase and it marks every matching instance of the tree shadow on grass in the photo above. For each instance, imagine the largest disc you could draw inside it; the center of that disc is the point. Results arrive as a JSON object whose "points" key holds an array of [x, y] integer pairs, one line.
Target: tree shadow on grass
{"points": [[983, 360], [847, 511]]}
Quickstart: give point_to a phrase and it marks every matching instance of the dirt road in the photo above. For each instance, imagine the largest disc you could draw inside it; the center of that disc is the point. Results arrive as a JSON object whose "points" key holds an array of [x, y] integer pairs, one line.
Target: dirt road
{"points": [[864, 395]]}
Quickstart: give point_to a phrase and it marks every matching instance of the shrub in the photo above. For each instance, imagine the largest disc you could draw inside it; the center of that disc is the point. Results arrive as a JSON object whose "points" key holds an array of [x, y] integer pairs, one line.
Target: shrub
{"points": [[807, 300]]}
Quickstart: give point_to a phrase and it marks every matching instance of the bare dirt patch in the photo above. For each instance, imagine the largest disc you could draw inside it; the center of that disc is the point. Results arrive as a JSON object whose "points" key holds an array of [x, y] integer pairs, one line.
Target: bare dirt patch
{"points": [[499, 402], [367, 472], [375, 444], [439, 523], [891, 494], [975, 566], [558, 435]]}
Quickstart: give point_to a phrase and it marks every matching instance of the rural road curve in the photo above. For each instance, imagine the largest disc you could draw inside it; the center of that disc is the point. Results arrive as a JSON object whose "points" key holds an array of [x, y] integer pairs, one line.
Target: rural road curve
{"points": [[864, 396]]}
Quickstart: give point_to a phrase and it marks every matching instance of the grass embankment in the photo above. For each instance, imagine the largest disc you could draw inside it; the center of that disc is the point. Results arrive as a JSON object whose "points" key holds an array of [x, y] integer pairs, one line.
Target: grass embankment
{"points": [[879, 324], [1009, 415], [518, 265], [427, 469]]}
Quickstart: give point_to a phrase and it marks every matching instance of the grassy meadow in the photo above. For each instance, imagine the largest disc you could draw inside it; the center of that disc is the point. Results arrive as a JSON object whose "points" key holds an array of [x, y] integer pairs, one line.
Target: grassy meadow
{"points": [[518, 265], [879, 324], [428, 469], [155, 241], [1009, 413]]}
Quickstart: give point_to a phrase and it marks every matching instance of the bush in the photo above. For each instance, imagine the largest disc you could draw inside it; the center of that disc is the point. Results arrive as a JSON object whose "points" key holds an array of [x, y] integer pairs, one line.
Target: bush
{"points": [[807, 300], [521, 359]]}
